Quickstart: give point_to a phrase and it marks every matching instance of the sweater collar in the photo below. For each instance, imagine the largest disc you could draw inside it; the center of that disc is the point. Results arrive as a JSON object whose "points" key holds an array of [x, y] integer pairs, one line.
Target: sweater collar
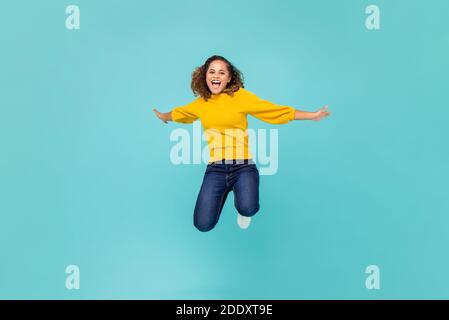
{"points": [[223, 96]]}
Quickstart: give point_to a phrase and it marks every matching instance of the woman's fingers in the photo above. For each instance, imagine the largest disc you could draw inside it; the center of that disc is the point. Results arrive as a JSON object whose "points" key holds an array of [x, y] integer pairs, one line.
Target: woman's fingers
{"points": [[321, 114], [159, 115]]}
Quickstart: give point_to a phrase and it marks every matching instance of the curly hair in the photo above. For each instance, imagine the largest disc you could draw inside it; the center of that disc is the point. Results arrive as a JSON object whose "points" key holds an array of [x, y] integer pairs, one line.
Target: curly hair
{"points": [[199, 85]]}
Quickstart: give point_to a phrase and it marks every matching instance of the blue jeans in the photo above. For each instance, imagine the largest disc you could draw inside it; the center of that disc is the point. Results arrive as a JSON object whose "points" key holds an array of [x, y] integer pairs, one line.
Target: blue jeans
{"points": [[219, 179]]}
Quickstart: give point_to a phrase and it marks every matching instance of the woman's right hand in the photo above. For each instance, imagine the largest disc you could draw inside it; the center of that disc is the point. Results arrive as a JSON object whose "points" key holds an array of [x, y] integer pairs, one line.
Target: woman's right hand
{"points": [[160, 115]]}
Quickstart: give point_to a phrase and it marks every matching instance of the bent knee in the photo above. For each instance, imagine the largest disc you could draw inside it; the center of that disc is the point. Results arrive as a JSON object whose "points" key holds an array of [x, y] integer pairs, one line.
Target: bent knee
{"points": [[248, 211], [203, 226]]}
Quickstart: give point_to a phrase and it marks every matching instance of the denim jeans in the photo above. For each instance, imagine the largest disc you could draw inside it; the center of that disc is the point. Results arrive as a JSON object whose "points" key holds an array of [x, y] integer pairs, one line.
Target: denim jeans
{"points": [[219, 179]]}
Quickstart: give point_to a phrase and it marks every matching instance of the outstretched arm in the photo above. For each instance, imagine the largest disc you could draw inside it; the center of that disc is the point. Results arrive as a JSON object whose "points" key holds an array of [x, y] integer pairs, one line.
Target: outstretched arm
{"points": [[315, 116], [182, 114], [163, 116], [277, 114]]}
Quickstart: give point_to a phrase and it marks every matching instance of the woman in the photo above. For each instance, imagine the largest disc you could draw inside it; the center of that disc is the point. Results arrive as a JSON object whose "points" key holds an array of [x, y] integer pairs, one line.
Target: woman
{"points": [[222, 106]]}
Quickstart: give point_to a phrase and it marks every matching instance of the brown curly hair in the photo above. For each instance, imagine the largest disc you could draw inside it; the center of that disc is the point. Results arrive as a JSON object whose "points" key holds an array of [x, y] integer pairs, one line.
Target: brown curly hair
{"points": [[199, 85]]}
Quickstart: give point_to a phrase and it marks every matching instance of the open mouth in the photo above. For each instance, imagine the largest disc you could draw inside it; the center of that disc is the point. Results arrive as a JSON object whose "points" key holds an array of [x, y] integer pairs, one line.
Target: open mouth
{"points": [[216, 84]]}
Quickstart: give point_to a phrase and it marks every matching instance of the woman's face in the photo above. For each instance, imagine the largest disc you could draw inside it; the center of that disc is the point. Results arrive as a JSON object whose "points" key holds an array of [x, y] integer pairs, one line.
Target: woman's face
{"points": [[217, 76]]}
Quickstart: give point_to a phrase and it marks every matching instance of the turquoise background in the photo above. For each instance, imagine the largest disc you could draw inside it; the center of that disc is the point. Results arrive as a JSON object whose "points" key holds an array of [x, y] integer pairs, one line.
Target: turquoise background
{"points": [[86, 178]]}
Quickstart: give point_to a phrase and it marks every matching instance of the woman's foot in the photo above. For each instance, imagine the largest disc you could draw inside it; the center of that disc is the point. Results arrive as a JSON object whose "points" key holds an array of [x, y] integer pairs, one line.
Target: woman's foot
{"points": [[243, 221]]}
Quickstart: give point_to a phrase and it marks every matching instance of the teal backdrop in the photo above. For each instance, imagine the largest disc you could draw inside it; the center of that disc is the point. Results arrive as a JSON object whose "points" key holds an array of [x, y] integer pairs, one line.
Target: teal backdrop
{"points": [[86, 177]]}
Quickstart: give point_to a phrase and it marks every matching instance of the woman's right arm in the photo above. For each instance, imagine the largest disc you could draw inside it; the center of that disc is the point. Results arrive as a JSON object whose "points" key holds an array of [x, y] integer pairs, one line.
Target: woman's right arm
{"points": [[182, 114], [163, 116]]}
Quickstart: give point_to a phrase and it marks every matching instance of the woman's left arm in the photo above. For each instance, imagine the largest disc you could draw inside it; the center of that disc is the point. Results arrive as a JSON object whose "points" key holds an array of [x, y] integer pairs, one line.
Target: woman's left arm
{"points": [[315, 116]]}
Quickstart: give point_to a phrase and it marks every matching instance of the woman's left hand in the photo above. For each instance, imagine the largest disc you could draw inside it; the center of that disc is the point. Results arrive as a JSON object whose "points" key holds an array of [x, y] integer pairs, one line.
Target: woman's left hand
{"points": [[320, 114]]}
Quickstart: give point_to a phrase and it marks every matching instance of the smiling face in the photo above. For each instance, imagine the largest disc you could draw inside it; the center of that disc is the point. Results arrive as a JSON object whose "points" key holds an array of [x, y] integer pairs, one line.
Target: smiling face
{"points": [[217, 76]]}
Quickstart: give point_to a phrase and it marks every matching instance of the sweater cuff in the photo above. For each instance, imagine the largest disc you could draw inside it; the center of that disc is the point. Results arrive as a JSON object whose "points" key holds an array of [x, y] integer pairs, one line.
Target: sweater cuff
{"points": [[176, 116], [291, 116]]}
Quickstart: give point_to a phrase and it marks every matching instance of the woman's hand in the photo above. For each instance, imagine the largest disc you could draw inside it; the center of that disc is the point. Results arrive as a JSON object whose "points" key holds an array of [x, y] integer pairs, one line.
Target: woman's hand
{"points": [[315, 116], [320, 114], [162, 116]]}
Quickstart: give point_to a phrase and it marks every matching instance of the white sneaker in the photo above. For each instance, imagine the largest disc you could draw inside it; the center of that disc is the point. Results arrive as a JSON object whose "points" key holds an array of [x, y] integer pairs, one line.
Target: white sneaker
{"points": [[243, 221]]}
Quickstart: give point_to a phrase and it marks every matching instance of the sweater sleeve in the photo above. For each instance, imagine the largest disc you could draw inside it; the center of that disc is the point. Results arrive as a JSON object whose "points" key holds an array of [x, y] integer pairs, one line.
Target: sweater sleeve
{"points": [[187, 113], [266, 110]]}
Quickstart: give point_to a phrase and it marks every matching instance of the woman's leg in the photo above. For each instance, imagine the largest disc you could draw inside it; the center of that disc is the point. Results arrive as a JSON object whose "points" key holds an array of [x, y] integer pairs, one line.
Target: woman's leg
{"points": [[211, 198], [246, 190]]}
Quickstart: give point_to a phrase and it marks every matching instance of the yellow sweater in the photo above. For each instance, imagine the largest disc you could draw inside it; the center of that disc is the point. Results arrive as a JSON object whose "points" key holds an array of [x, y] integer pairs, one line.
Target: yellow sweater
{"points": [[223, 118]]}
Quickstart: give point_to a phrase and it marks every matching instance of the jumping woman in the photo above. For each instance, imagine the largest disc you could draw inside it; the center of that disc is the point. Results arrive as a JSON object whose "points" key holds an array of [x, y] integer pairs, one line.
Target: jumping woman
{"points": [[222, 106]]}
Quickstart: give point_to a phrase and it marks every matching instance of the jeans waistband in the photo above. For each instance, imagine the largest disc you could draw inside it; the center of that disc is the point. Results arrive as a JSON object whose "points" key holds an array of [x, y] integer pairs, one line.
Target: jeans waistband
{"points": [[234, 161]]}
